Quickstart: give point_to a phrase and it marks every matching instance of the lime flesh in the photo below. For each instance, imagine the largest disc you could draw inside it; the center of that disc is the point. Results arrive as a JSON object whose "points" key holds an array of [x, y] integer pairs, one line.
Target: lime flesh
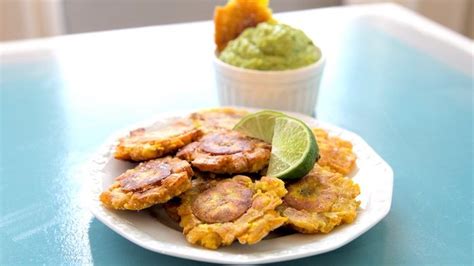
{"points": [[259, 125], [294, 147]]}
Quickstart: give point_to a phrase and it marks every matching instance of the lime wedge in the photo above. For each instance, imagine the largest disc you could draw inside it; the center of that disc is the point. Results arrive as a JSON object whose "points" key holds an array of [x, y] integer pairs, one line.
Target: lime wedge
{"points": [[294, 147], [258, 125]]}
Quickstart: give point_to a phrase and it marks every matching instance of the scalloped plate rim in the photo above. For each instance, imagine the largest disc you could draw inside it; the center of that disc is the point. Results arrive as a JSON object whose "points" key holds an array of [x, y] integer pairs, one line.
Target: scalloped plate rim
{"points": [[200, 254]]}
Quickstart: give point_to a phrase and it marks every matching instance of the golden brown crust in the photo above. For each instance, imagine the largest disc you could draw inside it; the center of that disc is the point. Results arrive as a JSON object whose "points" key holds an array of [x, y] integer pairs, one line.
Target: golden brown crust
{"points": [[146, 144], [335, 153], [320, 201], [148, 184], [227, 151], [236, 16], [225, 202], [249, 228], [217, 118]]}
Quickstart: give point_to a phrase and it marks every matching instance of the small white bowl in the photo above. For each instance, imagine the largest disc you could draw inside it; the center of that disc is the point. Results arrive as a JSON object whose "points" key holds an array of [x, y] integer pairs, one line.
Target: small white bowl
{"points": [[290, 90]]}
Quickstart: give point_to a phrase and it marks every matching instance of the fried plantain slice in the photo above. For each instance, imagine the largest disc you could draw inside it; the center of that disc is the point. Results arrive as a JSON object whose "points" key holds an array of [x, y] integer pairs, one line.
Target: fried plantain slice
{"points": [[215, 213], [236, 16], [146, 144], [336, 154], [217, 118], [320, 201], [149, 183], [227, 152], [211, 207]]}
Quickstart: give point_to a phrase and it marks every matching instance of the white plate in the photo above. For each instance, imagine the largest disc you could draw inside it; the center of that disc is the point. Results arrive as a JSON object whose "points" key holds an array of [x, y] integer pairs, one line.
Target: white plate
{"points": [[373, 174]]}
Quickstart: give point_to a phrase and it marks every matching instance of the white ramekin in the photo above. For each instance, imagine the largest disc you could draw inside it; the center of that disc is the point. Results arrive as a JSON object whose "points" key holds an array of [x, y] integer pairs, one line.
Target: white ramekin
{"points": [[290, 90]]}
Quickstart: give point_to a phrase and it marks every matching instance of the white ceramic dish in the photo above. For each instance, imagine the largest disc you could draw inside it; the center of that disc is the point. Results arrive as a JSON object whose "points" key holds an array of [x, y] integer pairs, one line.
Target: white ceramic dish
{"points": [[373, 174], [293, 90]]}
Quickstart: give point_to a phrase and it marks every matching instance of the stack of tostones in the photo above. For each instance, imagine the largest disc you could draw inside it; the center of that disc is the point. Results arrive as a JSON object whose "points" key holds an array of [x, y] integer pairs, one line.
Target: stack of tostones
{"points": [[198, 170]]}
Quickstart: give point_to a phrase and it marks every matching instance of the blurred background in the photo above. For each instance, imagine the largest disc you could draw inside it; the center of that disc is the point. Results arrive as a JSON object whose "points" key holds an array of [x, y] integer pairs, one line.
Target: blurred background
{"points": [[24, 19]]}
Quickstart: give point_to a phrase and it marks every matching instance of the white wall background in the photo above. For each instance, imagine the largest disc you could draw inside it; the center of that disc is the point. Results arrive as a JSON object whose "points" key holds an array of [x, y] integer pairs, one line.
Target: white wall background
{"points": [[96, 15], [20, 19]]}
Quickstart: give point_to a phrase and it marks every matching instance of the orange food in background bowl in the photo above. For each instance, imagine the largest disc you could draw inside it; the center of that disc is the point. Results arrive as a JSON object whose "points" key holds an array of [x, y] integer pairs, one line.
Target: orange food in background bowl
{"points": [[236, 16]]}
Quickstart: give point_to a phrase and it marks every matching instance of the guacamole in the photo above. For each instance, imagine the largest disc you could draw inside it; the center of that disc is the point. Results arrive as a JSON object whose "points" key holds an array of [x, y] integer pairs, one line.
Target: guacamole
{"points": [[271, 47]]}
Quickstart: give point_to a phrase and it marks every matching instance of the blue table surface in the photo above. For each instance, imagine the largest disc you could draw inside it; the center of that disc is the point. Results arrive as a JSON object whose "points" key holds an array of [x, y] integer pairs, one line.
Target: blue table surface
{"points": [[415, 111]]}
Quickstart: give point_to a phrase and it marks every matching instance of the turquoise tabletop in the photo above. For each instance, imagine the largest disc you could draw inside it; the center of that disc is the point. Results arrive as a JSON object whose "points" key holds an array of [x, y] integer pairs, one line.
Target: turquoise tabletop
{"points": [[413, 109]]}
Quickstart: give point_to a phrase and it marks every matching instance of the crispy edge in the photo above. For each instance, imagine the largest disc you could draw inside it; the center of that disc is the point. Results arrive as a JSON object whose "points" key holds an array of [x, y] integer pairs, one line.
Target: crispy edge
{"points": [[260, 219], [171, 186], [154, 149], [242, 162], [343, 210], [237, 15], [246, 162], [335, 153], [202, 119]]}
